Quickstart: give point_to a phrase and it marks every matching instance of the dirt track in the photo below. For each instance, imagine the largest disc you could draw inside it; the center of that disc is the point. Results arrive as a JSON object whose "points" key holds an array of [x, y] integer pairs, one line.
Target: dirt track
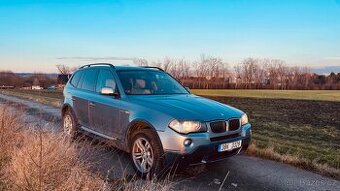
{"points": [[245, 173]]}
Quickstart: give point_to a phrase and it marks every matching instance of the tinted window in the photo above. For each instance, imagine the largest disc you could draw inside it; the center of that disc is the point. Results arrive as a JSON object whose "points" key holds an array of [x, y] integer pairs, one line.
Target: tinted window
{"points": [[89, 80], [105, 80], [76, 77], [149, 83]]}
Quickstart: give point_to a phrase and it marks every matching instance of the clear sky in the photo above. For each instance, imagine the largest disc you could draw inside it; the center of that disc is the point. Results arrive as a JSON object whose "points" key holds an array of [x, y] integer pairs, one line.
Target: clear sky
{"points": [[36, 35]]}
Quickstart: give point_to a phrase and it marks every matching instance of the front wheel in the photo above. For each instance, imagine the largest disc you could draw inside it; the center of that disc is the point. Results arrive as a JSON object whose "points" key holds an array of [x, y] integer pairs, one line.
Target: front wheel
{"points": [[70, 124], [146, 153]]}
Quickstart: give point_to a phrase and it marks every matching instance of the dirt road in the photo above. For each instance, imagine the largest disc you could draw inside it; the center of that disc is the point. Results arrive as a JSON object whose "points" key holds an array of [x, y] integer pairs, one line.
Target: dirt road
{"points": [[240, 172]]}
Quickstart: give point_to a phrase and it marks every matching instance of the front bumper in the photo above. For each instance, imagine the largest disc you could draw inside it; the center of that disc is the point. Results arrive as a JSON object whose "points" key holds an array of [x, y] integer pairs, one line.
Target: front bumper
{"points": [[205, 154], [204, 147]]}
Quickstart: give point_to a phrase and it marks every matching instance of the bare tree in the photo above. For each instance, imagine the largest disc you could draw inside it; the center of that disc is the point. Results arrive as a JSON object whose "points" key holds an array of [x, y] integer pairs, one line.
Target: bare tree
{"points": [[184, 68], [247, 70], [167, 64], [226, 75], [202, 71], [238, 75], [140, 62], [63, 69]]}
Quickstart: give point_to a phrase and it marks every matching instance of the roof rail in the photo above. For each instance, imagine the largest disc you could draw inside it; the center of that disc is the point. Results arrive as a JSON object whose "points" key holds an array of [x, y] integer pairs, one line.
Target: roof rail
{"points": [[97, 64], [153, 67]]}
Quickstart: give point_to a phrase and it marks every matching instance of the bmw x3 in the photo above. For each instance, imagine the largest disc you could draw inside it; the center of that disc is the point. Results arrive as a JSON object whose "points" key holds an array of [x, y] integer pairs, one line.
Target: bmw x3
{"points": [[150, 115]]}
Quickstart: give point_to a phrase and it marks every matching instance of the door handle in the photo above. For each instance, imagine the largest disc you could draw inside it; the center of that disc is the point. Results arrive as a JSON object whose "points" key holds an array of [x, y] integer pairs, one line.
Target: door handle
{"points": [[92, 104]]}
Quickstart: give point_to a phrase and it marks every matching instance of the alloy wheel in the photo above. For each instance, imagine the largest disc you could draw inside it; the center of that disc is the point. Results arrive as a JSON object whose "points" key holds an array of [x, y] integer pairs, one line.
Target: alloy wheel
{"points": [[142, 154], [68, 124]]}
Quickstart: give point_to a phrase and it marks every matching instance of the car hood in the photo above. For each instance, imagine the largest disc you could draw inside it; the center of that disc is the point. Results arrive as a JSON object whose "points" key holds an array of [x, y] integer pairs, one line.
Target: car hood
{"points": [[187, 107]]}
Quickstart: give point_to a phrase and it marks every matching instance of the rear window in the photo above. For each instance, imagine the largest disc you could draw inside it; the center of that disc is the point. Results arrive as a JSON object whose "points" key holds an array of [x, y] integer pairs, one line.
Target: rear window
{"points": [[89, 79], [76, 77]]}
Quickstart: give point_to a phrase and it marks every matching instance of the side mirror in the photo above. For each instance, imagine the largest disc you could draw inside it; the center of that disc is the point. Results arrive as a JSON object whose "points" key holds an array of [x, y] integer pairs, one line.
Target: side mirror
{"points": [[188, 89], [108, 92]]}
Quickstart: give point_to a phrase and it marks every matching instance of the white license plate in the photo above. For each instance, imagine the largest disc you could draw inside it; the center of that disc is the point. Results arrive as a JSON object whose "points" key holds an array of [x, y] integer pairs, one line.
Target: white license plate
{"points": [[229, 146]]}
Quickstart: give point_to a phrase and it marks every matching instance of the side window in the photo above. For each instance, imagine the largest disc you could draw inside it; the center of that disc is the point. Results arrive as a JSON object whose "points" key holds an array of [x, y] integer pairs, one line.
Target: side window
{"points": [[105, 80], [76, 77], [89, 79]]}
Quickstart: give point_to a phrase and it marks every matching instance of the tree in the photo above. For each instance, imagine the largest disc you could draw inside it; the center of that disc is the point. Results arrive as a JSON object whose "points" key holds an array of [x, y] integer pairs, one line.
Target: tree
{"points": [[202, 71], [63, 69], [140, 62], [167, 64], [247, 70], [8, 78]]}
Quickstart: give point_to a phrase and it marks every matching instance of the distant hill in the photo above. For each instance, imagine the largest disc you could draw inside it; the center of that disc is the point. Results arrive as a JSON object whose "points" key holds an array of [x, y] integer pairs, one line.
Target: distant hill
{"points": [[24, 74], [51, 75], [326, 69]]}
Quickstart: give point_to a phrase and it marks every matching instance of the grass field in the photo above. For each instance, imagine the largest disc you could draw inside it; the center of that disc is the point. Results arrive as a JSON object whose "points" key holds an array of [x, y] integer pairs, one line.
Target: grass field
{"points": [[301, 128], [49, 97], [322, 95], [300, 132]]}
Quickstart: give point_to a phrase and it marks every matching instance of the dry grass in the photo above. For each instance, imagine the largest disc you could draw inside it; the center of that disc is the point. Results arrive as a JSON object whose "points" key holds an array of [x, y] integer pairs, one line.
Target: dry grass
{"points": [[46, 161], [270, 153], [38, 160], [9, 138]]}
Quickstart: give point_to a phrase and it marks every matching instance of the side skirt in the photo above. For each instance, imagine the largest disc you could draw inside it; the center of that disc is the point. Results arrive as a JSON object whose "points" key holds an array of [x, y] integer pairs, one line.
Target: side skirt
{"points": [[98, 134]]}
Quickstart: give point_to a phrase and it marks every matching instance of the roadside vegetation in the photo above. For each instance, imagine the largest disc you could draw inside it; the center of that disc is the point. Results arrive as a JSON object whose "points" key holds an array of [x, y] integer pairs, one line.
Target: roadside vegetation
{"points": [[32, 159], [297, 127]]}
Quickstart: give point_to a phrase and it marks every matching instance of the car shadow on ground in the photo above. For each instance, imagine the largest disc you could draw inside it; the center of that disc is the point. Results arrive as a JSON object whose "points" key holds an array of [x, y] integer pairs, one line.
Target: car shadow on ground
{"points": [[116, 165]]}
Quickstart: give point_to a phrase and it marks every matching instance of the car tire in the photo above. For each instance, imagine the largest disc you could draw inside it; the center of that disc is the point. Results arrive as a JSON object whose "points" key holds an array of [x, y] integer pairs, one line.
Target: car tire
{"points": [[148, 163], [70, 124]]}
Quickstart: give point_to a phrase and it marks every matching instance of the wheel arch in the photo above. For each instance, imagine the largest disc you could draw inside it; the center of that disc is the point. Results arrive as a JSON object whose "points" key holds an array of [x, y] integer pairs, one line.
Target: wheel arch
{"points": [[138, 124], [64, 108]]}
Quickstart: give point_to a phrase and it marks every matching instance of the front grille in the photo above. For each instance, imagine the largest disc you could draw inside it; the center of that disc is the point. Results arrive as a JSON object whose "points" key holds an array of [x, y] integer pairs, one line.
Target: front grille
{"points": [[218, 126], [214, 139], [234, 124]]}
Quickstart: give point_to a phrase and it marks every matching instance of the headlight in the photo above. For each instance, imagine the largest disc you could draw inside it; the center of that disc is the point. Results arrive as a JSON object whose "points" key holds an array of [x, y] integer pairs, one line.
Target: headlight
{"points": [[186, 127], [244, 119]]}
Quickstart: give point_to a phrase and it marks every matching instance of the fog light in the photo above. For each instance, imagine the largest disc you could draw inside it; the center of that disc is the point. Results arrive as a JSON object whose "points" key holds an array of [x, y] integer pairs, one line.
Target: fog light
{"points": [[243, 134], [187, 142]]}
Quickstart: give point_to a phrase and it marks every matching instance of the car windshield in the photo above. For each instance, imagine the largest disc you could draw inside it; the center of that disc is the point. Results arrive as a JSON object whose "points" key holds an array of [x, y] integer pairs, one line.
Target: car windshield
{"points": [[140, 82]]}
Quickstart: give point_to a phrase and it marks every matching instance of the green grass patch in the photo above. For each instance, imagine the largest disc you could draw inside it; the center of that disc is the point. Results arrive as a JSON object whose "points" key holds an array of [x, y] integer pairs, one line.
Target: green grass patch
{"points": [[322, 95]]}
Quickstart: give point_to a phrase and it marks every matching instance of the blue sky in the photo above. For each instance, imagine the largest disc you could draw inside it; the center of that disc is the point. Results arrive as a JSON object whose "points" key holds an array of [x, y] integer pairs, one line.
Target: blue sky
{"points": [[36, 35]]}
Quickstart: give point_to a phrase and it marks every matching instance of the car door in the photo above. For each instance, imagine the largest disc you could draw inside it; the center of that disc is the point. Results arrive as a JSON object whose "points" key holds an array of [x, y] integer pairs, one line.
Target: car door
{"points": [[85, 90], [104, 112], [79, 104]]}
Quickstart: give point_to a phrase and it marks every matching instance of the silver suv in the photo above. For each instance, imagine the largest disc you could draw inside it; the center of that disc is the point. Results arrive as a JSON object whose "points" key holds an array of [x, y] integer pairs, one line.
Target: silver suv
{"points": [[149, 114]]}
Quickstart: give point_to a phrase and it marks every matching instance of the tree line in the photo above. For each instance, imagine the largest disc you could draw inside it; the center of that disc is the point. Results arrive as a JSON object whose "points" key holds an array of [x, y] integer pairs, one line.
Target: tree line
{"points": [[251, 73], [211, 72], [8, 78]]}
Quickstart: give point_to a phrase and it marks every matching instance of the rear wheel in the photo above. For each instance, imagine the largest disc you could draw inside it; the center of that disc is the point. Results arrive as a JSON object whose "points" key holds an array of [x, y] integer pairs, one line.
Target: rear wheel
{"points": [[70, 126], [146, 153]]}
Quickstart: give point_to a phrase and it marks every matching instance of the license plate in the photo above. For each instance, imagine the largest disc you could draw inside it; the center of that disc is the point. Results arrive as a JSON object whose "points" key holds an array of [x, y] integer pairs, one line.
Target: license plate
{"points": [[229, 146]]}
